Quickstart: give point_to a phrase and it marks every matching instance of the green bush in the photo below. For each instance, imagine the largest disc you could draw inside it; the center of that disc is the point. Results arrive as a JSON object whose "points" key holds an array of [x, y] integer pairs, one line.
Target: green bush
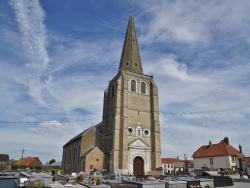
{"points": [[230, 171], [226, 172]]}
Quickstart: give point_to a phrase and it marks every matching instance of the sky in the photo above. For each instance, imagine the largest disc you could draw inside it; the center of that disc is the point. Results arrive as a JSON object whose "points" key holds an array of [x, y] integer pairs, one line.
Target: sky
{"points": [[57, 57]]}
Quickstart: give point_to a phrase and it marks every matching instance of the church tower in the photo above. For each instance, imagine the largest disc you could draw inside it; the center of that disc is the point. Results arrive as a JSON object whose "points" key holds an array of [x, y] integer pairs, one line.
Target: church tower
{"points": [[130, 125]]}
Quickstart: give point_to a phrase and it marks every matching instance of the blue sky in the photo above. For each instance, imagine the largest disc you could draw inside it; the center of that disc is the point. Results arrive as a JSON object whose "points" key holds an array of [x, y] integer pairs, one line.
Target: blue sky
{"points": [[57, 57]]}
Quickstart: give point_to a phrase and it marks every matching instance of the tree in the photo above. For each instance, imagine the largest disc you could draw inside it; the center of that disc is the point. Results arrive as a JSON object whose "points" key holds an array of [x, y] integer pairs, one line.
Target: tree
{"points": [[52, 161]]}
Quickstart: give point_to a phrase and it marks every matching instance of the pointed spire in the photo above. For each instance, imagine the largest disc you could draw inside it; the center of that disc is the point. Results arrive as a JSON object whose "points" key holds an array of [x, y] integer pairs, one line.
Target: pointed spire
{"points": [[130, 58]]}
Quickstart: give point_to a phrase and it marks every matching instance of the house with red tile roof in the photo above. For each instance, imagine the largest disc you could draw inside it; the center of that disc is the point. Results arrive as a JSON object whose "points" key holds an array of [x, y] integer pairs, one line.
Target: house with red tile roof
{"points": [[216, 156], [169, 165], [30, 161], [175, 165]]}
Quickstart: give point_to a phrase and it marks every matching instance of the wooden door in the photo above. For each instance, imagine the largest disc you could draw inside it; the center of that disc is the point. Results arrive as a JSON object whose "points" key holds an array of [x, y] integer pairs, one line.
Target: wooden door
{"points": [[138, 166], [83, 166]]}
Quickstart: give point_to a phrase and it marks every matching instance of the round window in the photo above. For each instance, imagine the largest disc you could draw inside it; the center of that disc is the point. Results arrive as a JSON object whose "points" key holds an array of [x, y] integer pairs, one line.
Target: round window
{"points": [[146, 132], [130, 130]]}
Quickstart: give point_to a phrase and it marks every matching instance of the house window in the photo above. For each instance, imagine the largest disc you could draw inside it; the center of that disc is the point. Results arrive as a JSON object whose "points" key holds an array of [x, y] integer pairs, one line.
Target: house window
{"points": [[133, 85], [211, 161], [233, 159], [143, 87]]}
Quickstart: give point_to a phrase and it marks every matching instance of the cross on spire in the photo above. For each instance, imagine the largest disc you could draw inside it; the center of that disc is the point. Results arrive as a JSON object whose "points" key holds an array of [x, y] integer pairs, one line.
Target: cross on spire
{"points": [[131, 8]]}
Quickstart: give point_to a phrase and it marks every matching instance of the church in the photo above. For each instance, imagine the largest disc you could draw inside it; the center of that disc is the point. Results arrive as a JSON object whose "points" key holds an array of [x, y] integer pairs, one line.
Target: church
{"points": [[128, 138]]}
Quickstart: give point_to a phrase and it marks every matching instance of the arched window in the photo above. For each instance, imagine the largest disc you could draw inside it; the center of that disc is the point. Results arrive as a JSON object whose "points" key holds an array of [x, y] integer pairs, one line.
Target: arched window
{"points": [[133, 85], [143, 88]]}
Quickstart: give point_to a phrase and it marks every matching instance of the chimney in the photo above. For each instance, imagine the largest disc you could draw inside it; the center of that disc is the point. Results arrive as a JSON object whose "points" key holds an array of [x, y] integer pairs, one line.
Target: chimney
{"points": [[177, 157], [226, 140], [210, 143], [240, 148]]}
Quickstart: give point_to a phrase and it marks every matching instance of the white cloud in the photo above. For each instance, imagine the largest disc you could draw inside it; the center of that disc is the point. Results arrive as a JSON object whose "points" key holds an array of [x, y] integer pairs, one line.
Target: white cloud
{"points": [[51, 128], [168, 67], [193, 22], [30, 18]]}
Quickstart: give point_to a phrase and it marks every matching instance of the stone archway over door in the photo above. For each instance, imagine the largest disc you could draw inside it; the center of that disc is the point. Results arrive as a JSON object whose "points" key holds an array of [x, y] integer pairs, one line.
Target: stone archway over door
{"points": [[138, 166]]}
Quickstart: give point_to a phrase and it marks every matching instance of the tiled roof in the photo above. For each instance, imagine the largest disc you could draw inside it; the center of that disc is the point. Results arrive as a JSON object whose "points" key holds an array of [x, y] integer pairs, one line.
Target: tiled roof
{"points": [[97, 126], [247, 159], [175, 160], [12, 162], [87, 152], [4, 157], [90, 150], [57, 163], [220, 149], [170, 160], [29, 161], [190, 163], [76, 137]]}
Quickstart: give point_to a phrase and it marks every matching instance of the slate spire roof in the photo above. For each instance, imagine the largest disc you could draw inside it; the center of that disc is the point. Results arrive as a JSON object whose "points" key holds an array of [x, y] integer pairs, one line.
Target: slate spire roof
{"points": [[130, 58]]}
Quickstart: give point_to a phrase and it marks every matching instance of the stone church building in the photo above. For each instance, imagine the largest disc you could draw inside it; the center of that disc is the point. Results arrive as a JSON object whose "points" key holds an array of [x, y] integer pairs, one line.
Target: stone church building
{"points": [[128, 137]]}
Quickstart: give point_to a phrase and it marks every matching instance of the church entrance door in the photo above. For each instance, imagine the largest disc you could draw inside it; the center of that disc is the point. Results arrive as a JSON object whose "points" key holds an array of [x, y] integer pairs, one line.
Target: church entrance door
{"points": [[138, 166]]}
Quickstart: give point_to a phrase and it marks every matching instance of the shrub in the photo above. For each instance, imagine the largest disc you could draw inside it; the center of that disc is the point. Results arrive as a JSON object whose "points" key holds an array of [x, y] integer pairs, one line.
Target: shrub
{"points": [[230, 171], [226, 172]]}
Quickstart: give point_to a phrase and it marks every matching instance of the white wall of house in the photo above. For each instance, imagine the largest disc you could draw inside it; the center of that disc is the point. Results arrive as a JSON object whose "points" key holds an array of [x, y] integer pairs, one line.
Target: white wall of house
{"points": [[170, 168], [167, 168], [216, 162]]}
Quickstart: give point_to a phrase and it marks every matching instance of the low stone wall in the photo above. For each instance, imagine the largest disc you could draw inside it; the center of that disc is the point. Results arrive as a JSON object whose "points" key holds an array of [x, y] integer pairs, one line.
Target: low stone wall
{"points": [[154, 173]]}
